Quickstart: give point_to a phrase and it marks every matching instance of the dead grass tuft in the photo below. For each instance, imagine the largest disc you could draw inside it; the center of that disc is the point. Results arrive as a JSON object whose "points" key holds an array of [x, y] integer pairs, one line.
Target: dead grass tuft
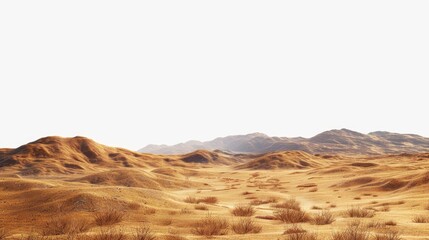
{"points": [[65, 225], [243, 211], [108, 217], [353, 232], [190, 199], [246, 225], [211, 226], [144, 233], [288, 204], [291, 216], [201, 207], [323, 218], [208, 200], [295, 229], [358, 212], [390, 235], [109, 234], [421, 219]]}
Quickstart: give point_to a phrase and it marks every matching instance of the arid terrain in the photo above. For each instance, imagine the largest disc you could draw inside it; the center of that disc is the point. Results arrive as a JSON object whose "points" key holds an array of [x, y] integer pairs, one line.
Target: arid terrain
{"points": [[75, 188]]}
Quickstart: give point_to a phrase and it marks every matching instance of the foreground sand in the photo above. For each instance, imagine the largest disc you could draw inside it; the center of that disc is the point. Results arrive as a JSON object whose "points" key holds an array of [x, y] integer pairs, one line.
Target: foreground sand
{"points": [[395, 188]]}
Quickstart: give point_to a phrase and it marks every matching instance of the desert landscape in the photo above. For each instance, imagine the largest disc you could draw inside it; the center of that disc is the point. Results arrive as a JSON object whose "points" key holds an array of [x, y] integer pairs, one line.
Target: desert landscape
{"points": [[75, 188]]}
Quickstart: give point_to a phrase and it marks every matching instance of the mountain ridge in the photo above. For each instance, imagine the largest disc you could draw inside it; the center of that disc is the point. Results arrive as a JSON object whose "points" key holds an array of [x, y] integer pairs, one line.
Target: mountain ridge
{"points": [[336, 141]]}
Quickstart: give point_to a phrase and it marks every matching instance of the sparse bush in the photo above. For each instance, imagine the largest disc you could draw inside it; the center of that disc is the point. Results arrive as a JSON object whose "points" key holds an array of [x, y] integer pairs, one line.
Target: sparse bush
{"points": [[353, 232], [390, 235], [246, 225], [374, 224], [109, 234], [65, 225], [185, 211], [211, 226], [288, 204], [300, 236], [208, 200], [358, 212], [390, 223], [385, 208], [295, 229], [243, 211], [108, 217], [201, 207], [421, 219], [173, 237], [291, 216], [190, 199], [323, 218], [144, 233]]}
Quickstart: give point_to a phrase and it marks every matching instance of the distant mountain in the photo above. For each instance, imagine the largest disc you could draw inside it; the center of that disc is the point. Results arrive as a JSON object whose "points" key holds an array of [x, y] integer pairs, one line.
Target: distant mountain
{"points": [[342, 141]]}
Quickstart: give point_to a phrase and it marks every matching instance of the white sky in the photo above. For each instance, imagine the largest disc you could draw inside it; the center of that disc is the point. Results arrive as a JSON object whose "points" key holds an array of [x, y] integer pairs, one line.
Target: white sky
{"points": [[129, 73]]}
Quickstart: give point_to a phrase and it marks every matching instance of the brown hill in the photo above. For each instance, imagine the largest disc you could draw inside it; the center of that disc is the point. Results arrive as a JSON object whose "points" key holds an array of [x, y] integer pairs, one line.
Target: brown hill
{"points": [[282, 160], [71, 155], [216, 157]]}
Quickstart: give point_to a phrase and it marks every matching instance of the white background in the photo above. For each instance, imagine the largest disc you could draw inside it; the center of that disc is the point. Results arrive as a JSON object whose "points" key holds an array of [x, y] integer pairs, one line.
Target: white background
{"points": [[129, 73]]}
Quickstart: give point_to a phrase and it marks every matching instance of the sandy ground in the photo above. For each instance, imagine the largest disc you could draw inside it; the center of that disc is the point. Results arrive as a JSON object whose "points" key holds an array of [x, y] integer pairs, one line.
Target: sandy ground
{"points": [[394, 187]]}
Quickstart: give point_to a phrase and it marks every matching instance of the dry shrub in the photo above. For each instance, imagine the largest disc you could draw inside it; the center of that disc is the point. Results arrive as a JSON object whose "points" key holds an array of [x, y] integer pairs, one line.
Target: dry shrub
{"points": [[257, 202], [288, 204], [190, 199], [390, 223], [316, 208], [208, 200], [246, 193], [291, 216], [246, 225], [313, 189], [65, 225], [243, 211], [144, 233], [108, 217], [266, 217], [385, 209], [295, 229], [390, 235], [185, 211], [149, 210], [421, 219], [333, 206], [173, 237], [201, 207], [323, 218], [358, 212], [301, 236], [33, 236], [109, 234], [211, 226], [166, 222], [353, 232], [374, 224]]}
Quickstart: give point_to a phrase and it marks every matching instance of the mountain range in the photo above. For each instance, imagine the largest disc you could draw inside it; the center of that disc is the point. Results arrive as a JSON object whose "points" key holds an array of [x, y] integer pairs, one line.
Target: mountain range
{"points": [[341, 141]]}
